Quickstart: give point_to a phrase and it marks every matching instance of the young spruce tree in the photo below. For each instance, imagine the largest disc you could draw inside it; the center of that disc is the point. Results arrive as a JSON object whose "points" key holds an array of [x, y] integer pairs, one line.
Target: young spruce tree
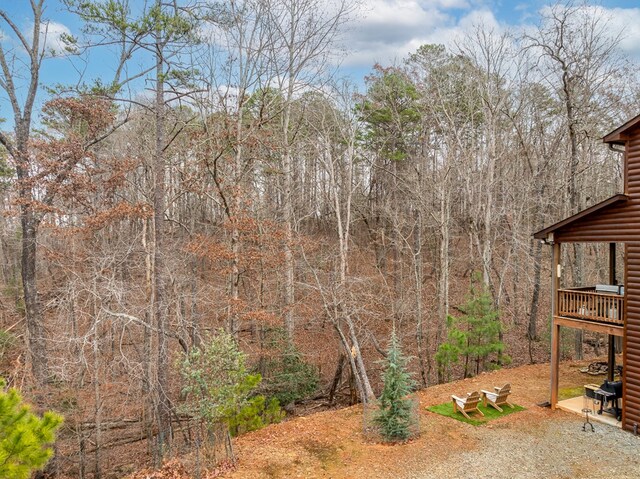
{"points": [[395, 418]]}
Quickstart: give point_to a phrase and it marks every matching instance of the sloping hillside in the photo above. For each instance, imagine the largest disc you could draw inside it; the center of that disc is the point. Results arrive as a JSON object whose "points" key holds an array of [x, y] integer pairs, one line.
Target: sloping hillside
{"points": [[532, 443]]}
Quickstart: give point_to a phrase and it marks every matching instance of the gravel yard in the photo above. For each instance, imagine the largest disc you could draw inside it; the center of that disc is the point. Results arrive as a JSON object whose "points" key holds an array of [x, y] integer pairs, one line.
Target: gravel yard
{"points": [[552, 449], [535, 443]]}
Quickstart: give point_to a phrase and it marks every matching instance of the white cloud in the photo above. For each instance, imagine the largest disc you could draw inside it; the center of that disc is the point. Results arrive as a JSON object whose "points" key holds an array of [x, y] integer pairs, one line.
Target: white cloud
{"points": [[450, 36], [52, 38], [627, 21], [391, 29], [448, 3], [388, 29]]}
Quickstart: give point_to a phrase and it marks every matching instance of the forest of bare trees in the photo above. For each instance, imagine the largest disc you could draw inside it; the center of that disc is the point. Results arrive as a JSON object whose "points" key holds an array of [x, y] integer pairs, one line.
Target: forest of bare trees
{"points": [[225, 176]]}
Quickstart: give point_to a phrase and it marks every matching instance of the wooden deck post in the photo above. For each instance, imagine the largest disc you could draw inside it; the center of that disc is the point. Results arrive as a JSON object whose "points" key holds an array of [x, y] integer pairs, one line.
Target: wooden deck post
{"points": [[611, 358], [555, 328]]}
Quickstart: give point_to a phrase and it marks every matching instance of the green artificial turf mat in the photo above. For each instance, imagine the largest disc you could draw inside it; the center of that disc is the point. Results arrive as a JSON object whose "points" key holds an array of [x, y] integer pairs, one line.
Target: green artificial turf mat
{"points": [[446, 409], [572, 392]]}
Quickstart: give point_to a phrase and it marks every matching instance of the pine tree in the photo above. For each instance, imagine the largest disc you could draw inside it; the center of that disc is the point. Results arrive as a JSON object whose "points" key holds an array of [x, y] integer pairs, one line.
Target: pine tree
{"points": [[395, 417], [23, 436], [482, 328], [449, 352], [475, 336]]}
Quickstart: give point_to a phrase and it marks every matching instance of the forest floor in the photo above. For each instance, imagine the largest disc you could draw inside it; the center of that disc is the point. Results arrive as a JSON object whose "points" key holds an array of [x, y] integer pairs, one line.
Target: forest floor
{"points": [[533, 443]]}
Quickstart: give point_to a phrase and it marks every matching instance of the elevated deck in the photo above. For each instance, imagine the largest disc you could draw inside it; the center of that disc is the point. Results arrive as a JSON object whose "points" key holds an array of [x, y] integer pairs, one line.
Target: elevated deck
{"points": [[591, 310]]}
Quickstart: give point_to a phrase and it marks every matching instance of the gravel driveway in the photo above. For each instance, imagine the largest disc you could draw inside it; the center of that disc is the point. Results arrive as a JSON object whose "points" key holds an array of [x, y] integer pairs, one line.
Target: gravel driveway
{"points": [[551, 449]]}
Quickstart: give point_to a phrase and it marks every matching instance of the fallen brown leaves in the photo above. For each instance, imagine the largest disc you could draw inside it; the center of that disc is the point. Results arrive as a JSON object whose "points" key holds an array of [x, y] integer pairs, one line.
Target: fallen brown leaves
{"points": [[176, 469], [331, 444]]}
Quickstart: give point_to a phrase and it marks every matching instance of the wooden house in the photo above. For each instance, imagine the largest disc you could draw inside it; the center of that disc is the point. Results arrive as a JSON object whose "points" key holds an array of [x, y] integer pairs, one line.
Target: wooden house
{"points": [[613, 309]]}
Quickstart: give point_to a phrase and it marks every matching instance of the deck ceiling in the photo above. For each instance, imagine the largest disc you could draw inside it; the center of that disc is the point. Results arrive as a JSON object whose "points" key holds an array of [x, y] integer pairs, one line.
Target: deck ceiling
{"points": [[586, 325]]}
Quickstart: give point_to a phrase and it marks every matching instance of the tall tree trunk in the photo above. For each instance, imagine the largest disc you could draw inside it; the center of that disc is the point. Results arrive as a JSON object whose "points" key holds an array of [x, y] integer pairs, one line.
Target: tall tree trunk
{"points": [[288, 213], [29, 220], [418, 277], [532, 330], [163, 413], [289, 265], [443, 272], [37, 344], [574, 197], [234, 217], [147, 367], [97, 396]]}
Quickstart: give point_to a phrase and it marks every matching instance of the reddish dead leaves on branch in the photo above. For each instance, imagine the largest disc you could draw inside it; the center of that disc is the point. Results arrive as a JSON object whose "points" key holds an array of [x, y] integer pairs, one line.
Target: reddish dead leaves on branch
{"points": [[71, 181], [260, 245], [62, 166], [118, 212]]}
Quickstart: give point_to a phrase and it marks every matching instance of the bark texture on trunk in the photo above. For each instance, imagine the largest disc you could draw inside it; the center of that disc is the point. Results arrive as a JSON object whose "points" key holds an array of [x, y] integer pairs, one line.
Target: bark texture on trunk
{"points": [[162, 409], [35, 327], [18, 149]]}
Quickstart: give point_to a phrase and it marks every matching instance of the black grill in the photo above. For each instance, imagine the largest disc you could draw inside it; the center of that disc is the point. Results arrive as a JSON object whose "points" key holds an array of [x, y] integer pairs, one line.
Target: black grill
{"points": [[613, 392]]}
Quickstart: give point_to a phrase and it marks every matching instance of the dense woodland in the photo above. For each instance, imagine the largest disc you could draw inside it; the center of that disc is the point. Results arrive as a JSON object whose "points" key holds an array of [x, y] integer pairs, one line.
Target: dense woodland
{"points": [[227, 177]]}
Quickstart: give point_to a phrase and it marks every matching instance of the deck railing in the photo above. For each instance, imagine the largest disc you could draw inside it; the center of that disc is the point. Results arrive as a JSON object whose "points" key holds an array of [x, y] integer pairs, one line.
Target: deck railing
{"points": [[587, 304]]}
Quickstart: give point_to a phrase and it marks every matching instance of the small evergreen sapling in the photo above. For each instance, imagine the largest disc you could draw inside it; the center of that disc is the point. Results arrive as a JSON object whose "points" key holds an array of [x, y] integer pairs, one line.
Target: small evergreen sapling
{"points": [[475, 336], [216, 380], [286, 376], [396, 418], [483, 329], [449, 352], [24, 436]]}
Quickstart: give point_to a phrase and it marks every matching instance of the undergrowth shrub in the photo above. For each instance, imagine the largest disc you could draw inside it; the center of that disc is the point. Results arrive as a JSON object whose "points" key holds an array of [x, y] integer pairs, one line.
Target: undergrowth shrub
{"points": [[257, 413], [220, 391], [287, 377]]}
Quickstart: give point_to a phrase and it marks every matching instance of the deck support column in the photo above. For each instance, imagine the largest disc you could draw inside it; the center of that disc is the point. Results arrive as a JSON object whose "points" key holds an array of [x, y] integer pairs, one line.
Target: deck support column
{"points": [[611, 358], [555, 328]]}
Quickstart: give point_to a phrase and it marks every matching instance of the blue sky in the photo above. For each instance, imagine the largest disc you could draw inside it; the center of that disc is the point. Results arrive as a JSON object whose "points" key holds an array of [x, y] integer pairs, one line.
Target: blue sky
{"points": [[393, 28], [383, 31]]}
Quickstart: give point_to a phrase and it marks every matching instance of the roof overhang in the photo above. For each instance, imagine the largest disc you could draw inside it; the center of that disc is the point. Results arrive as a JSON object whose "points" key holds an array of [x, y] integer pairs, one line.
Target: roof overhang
{"points": [[619, 135], [547, 233]]}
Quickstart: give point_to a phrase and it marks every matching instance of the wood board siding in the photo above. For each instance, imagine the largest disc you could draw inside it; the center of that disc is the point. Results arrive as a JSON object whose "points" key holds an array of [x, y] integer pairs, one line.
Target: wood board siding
{"points": [[615, 220], [619, 223], [632, 166], [631, 346]]}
